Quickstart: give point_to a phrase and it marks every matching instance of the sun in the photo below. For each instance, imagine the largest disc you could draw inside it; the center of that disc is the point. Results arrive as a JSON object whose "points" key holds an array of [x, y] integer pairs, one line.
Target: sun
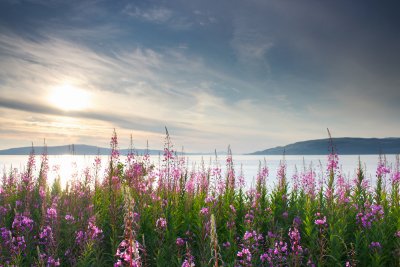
{"points": [[69, 98]]}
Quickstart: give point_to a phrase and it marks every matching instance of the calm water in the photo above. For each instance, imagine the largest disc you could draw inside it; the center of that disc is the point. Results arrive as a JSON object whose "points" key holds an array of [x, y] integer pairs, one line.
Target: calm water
{"points": [[67, 165]]}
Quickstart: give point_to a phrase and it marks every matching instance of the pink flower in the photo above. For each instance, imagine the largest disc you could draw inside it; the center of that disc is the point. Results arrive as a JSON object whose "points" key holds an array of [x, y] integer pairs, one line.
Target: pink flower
{"points": [[161, 223], [180, 242], [69, 218], [51, 213], [321, 222], [204, 211]]}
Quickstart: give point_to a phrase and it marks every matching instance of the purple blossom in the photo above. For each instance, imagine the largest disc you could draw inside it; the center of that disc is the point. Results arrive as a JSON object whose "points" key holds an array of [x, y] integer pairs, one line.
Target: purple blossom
{"points": [[244, 255], [161, 223], [128, 253], [382, 169], [180, 242], [46, 236], [397, 234], [321, 222], [69, 218], [204, 211], [226, 244], [371, 214], [375, 246], [52, 262], [294, 236], [333, 163], [22, 223], [285, 215], [51, 214]]}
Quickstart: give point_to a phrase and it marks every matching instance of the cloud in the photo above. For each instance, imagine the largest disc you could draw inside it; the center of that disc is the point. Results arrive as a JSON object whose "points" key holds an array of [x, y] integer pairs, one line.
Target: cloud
{"points": [[158, 15], [251, 46], [155, 14]]}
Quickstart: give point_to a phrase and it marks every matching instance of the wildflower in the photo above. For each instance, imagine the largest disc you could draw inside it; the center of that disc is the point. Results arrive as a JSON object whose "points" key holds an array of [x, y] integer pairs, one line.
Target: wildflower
{"points": [[265, 257], [93, 231], [3, 210], [161, 223], [396, 177], [232, 208], [209, 199], [296, 221], [247, 235], [371, 214], [294, 236], [18, 203], [22, 223], [375, 246], [42, 192], [382, 169], [204, 211], [397, 234], [51, 213], [79, 237], [285, 215], [226, 244], [333, 162], [180, 242], [245, 255], [52, 262], [69, 218], [136, 217], [128, 253], [321, 221], [46, 236], [189, 259]]}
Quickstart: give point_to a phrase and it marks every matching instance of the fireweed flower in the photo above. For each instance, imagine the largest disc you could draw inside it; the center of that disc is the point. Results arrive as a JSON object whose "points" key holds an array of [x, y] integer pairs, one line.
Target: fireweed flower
{"points": [[180, 242], [46, 236], [371, 214], [69, 218], [189, 259], [396, 177], [382, 169], [128, 253], [375, 247], [22, 223], [308, 182], [320, 221], [397, 234], [204, 211], [51, 214], [294, 236], [333, 163], [226, 244], [161, 224], [94, 232], [276, 255], [244, 256]]}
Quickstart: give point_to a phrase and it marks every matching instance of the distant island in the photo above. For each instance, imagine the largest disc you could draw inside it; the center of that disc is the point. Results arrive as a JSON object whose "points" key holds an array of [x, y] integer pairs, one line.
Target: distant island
{"points": [[342, 146], [72, 150]]}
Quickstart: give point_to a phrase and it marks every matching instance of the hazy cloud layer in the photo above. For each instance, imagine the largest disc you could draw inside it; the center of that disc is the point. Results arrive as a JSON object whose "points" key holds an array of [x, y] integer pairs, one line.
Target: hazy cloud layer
{"points": [[252, 74]]}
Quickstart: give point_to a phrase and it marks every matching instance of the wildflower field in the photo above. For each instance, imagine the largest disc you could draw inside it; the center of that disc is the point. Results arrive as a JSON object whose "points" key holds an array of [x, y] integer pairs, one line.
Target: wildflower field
{"points": [[142, 214]]}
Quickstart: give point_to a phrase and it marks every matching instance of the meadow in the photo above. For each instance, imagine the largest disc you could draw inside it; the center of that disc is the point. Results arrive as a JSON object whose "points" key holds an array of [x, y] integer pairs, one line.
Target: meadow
{"points": [[145, 214]]}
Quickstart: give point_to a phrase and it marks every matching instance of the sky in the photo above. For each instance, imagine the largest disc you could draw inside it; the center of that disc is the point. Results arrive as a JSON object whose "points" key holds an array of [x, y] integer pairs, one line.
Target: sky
{"points": [[251, 74]]}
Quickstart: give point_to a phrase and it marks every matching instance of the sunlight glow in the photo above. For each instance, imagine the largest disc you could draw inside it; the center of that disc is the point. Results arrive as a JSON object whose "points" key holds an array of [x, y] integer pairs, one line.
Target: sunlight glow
{"points": [[69, 98]]}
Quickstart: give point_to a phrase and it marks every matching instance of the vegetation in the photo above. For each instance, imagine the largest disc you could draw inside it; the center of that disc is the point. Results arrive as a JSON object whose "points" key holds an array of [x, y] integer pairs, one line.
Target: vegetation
{"points": [[140, 214]]}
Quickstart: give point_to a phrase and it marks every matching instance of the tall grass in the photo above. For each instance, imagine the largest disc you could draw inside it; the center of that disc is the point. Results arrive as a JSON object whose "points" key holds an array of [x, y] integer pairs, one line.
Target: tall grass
{"points": [[140, 214]]}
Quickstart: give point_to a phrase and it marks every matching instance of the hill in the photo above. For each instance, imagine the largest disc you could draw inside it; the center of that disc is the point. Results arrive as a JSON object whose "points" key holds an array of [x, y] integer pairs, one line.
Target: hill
{"points": [[343, 146], [71, 149]]}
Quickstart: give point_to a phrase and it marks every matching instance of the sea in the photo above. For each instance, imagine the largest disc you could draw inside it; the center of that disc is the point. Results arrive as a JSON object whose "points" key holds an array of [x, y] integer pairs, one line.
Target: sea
{"points": [[67, 166]]}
